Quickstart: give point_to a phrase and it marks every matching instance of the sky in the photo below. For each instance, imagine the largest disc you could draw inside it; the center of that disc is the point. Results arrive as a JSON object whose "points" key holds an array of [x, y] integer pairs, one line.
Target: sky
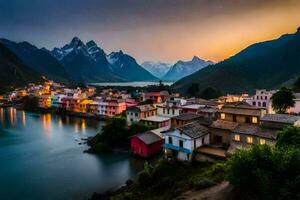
{"points": [[164, 30]]}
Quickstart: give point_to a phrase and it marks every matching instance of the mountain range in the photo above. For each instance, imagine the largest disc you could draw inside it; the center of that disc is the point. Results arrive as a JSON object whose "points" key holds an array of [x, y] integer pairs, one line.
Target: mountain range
{"points": [[89, 63], [268, 64], [185, 68], [157, 68]]}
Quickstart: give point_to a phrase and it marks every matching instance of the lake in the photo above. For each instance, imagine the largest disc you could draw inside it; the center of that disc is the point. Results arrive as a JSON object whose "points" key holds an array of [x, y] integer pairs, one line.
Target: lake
{"points": [[40, 158], [133, 84]]}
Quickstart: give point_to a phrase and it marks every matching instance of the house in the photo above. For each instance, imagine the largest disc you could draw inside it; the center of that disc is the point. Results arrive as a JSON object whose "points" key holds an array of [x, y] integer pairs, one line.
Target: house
{"points": [[230, 116], [146, 144], [208, 113], [44, 101], [296, 108], [111, 107], [157, 121], [156, 97], [244, 135], [192, 108], [262, 99], [184, 118], [180, 142], [56, 100], [93, 108], [136, 113]]}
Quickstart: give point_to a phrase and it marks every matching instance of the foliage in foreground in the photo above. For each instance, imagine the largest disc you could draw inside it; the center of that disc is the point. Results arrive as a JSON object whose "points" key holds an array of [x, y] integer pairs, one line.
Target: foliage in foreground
{"points": [[265, 172], [166, 180]]}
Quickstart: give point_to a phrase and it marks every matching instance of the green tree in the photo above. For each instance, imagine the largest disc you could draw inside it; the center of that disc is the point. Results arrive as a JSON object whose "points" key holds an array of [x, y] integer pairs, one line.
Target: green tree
{"points": [[193, 90], [265, 172], [210, 93], [114, 131], [139, 127], [282, 100], [289, 137]]}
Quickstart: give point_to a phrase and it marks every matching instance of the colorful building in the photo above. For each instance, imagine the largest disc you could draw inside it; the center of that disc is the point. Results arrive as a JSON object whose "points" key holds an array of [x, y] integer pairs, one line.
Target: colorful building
{"points": [[136, 113], [146, 144]]}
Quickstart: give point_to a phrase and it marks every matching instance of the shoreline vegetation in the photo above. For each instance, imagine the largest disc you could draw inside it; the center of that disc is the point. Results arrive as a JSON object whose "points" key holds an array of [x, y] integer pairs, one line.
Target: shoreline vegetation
{"points": [[260, 172]]}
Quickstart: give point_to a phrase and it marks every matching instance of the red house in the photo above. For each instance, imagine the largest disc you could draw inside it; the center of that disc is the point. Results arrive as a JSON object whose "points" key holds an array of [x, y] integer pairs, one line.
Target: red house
{"points": [[146, 144]]}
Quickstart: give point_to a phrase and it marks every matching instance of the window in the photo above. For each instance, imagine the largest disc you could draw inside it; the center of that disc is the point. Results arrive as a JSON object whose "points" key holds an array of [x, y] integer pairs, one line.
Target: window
{"points": [[237, 137], [266, 97], [234, 118], [254, 120], [170, 140], [259, 104], [262, 141], [254, 103], [203, 141], [264, 104], [173, 111], [247, 120], [222, 115], [249, 139], [136, 114], [180, 143]]}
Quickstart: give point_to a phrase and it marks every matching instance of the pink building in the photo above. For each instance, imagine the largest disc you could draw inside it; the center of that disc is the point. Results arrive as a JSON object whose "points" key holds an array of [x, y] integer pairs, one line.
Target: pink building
{"points": [[112, 107]]}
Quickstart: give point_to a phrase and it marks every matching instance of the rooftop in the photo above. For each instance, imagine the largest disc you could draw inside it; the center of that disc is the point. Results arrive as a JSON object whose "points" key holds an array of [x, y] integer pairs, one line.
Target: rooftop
{"points": [[192, 106], [241, 108], [156, 118], [143, 108], [194, 129], [255, 130], [222, 124], [187, 116], [280, 118], [148, 137]]}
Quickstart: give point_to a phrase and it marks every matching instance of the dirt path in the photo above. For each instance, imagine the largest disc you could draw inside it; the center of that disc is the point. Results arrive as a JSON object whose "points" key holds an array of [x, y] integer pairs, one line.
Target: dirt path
{"points": [[218, 192]]}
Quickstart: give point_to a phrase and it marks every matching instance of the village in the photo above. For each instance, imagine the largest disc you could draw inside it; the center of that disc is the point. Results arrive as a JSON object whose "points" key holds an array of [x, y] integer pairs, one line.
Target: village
{"points": [[184, 128]]}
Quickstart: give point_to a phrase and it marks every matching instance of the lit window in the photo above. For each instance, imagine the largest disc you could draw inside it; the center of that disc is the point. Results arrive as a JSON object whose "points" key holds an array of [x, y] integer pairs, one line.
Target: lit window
{"points": [[254, 120], [262, 141], [222, 115], [237, 137], [249, 140]]}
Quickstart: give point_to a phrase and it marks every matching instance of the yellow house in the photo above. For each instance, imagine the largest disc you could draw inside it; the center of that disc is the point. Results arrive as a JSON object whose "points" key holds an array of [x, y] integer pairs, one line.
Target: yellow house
{"points": [[81, 106]]}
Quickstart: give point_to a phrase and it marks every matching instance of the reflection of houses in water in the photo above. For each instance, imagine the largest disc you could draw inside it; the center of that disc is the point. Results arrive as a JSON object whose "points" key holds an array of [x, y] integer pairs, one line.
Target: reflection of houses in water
{"points": [[46, 119], [23, 117]]}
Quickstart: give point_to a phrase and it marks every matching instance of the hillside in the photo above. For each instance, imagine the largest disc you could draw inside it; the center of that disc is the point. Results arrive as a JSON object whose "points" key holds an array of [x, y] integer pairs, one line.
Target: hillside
{"points": [[39, 59], [262, 65], [13, 72]]}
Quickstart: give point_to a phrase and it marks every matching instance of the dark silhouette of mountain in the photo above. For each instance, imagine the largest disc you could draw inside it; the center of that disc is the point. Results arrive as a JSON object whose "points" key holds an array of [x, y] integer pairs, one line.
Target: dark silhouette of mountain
{"points": [[263, 65], [185, 68], [13, 72], [89, 63], [40, 60]]}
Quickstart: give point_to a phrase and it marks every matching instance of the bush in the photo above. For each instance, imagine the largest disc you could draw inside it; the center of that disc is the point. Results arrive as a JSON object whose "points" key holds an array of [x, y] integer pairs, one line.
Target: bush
{"points": [[101, 148], [289, 137], [265, 172]]}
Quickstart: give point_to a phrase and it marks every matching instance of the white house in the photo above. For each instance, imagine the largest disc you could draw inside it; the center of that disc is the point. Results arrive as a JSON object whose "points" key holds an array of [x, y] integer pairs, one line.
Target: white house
{"points": [[296, 108], [180, 142], [262, 99]]}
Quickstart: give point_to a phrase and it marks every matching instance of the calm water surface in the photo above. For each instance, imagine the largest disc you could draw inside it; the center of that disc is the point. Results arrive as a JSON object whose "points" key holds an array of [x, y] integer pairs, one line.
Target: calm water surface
{"points": [[133, 84], [40, 158]]}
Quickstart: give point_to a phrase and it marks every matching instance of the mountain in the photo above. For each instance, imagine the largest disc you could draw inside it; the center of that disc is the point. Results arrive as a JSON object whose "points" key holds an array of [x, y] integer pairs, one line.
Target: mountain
{"points": [[185, 68], [13, 72], [158, 69], [262, 65], [126, 66], [40, 60], [89, 63]]}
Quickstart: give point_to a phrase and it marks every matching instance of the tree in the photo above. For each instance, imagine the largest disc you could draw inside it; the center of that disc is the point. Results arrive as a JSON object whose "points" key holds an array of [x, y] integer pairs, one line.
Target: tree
{"points": [[139, 127], [282, 100], [193, 89], [210, 93], [265, 172], [114, 131], [296, 87], [289, 137]]}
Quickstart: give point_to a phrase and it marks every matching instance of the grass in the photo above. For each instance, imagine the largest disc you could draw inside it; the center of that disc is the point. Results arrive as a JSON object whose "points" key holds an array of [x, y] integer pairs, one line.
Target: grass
{"points": [[167, 180]]}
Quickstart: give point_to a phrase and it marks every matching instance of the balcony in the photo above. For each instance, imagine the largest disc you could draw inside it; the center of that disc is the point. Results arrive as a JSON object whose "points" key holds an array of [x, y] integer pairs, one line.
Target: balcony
{"points": [[177, 148]]}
